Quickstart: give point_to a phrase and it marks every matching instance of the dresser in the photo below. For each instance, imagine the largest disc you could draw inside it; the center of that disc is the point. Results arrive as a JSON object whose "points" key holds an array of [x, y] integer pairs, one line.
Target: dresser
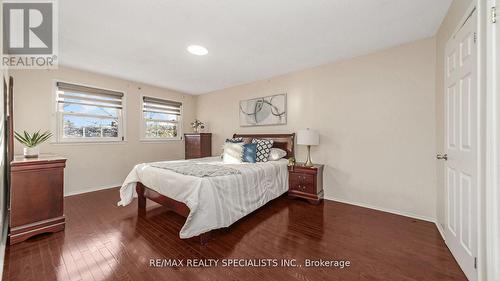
{"points": [[198, 145], [36, 196], [306, 182]]}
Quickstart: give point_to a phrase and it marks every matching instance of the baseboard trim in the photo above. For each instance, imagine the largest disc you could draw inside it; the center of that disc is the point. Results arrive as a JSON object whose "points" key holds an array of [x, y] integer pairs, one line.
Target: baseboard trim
{"points": [[396, 212], [441, 230], [87, 190]]}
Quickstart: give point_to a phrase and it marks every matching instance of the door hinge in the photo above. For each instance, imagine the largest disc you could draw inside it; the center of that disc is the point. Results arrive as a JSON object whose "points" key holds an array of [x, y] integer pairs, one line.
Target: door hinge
{"points": [[475, 37], [475, 262], [493, 14]]}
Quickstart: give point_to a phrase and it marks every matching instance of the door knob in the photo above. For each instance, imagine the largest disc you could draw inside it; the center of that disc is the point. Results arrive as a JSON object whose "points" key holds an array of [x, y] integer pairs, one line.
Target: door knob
{"points": [[442, 156]]}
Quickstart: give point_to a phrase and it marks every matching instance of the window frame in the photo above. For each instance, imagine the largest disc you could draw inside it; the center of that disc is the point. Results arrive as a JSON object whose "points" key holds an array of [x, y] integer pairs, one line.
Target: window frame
{"points": [[143, 120], [58, 117]]}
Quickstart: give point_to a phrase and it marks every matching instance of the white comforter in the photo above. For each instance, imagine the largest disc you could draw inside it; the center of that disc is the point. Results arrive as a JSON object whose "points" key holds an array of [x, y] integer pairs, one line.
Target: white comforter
{"points": [[214, 202]]}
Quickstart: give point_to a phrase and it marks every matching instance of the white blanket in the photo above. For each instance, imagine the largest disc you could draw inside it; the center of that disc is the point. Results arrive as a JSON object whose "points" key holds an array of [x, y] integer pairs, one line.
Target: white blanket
{"points": [[214, 202]]}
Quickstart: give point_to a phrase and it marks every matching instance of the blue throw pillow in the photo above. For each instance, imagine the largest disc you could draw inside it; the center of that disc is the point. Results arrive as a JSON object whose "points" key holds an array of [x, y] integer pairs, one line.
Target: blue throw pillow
{"points": [[250, 153]]}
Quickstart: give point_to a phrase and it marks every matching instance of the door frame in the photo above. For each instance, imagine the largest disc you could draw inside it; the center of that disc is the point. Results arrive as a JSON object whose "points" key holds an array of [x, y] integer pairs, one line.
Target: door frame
{"points": [[492, 182]]}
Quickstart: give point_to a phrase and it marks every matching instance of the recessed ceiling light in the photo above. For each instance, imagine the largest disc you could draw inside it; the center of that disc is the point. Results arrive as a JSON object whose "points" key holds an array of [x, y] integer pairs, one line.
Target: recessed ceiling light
{"points": [[197, 50]]}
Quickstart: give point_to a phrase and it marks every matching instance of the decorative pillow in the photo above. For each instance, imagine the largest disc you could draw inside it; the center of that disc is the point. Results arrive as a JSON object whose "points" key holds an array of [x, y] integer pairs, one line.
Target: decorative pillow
{"points": [[263, 149], [233, 153], [234, 140], [250, 152], [276, 154]]}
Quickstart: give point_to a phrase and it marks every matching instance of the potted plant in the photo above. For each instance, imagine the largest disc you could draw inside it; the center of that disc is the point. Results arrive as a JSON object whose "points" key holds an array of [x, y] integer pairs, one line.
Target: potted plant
{"points": [[31, 142]]}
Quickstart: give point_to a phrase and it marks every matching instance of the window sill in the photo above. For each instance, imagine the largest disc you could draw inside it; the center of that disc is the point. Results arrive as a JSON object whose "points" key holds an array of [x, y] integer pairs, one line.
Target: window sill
{"points": [[88, 142], [159, 140]]}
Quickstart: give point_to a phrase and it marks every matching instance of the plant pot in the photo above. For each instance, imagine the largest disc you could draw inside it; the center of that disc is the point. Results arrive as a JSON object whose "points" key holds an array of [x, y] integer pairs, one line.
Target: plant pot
{"points": [[31, 152]]}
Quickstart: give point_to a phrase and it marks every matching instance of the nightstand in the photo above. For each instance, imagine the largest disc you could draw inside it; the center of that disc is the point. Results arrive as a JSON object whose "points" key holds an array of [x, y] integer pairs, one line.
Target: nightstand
{"points": [[306, 182]]}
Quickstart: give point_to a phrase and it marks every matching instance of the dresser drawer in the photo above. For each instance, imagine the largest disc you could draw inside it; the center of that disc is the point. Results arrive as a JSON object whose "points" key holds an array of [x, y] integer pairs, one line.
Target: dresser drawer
{"points": [[36, 196], [302, 182]]}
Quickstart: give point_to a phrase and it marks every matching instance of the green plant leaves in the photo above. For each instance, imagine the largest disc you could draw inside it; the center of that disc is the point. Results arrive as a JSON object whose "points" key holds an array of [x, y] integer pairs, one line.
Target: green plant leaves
{"points": [[34, 139]]}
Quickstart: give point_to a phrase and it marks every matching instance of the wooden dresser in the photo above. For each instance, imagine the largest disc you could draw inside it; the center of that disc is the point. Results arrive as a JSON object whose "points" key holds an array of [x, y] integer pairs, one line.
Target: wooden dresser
{"points": [[36, 196], [306, 182], [198, 145]]}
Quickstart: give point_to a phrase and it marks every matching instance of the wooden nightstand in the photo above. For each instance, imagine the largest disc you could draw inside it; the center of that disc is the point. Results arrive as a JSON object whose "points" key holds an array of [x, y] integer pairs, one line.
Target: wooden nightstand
{"points": [[306, 182]]}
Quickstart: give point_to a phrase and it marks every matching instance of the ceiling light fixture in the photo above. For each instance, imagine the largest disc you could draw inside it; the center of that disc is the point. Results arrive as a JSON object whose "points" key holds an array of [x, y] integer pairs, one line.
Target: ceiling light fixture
{"points": [[197, 50]]}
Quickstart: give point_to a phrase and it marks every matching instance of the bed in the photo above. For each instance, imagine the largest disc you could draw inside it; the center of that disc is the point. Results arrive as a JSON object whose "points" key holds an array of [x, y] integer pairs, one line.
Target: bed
{"points": [[213, 202]]}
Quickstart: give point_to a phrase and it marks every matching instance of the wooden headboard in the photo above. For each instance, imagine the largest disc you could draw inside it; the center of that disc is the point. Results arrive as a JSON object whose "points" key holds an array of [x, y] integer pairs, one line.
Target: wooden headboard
{"points": [[282, 141]]}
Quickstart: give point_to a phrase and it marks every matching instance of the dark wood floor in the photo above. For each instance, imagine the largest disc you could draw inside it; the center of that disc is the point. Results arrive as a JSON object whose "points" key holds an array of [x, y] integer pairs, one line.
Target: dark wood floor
{"points": [[106, 242]]}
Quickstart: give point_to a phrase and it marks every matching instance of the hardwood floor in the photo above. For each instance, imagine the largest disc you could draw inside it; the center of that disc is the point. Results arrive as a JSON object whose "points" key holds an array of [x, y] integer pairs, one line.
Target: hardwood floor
{"points": [[106, 242]]}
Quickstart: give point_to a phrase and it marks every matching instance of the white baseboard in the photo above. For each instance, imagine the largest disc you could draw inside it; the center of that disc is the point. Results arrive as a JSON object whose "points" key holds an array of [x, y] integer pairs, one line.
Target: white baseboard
{"points": [[396, 212], [87, 190], [440, 229]]}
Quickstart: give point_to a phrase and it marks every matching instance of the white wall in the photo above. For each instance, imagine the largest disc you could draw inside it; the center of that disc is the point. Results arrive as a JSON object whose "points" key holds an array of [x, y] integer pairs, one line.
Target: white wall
{"points": [[376, 118], [93, 166]]}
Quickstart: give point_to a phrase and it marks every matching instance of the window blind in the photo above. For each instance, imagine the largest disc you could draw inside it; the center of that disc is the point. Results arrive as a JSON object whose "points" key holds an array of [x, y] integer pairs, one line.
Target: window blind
{"points": [[161, 106], [82, 95]]}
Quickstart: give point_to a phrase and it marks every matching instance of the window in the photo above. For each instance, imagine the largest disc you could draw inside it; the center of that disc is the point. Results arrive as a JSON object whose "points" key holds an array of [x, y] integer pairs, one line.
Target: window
{"points": [[88, 114], [161, 119]]}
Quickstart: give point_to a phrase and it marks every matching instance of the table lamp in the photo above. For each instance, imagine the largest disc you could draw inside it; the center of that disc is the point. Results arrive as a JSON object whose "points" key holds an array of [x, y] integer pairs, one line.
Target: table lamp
{"points": [[308, 137]]}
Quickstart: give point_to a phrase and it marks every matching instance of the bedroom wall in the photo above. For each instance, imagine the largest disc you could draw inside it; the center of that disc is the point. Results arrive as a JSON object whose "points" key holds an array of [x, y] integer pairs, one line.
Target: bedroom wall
{"points": [[94, 166], [376, 118], [455, 14]]}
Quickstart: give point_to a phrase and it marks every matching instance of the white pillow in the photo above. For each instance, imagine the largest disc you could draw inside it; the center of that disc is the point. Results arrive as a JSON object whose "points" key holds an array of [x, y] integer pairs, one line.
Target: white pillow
{"points": [[233, 153], [276, 154]]}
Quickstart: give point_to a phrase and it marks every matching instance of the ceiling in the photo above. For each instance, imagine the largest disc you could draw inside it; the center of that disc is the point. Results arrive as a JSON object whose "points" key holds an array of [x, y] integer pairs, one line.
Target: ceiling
{"points": [[247, 40]]}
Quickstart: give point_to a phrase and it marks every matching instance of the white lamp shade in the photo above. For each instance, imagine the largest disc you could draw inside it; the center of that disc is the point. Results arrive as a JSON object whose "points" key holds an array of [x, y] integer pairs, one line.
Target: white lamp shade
{"points": [[307, 137]]}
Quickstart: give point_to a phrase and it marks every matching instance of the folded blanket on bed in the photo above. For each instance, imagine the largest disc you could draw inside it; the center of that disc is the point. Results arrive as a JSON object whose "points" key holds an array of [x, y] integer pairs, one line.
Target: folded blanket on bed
{"points": [[197, 169]]}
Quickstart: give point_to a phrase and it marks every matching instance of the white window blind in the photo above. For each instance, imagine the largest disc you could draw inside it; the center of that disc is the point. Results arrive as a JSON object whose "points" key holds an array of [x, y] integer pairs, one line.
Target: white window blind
{"points": [[161, 118], [89, 114]]}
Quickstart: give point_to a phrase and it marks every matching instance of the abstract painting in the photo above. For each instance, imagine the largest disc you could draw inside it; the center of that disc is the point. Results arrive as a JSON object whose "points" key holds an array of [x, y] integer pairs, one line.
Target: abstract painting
{"points": [[270, 110]]}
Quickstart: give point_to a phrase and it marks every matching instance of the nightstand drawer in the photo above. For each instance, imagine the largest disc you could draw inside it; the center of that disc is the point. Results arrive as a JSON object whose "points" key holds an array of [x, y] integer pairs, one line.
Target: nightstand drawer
{"points": [[302, 182]]}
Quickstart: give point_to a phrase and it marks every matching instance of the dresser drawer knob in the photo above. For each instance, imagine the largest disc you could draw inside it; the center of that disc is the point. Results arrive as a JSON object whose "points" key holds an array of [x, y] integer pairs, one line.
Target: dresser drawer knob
{"points": [[303, 187]]}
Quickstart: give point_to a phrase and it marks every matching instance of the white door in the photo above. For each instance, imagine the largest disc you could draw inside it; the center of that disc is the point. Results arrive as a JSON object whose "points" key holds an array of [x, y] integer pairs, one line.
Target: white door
{"points": [[461, 144]]}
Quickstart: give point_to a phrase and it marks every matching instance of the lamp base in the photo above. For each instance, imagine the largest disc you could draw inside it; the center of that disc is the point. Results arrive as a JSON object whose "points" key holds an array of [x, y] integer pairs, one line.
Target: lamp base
{"points": [[308, 163]]}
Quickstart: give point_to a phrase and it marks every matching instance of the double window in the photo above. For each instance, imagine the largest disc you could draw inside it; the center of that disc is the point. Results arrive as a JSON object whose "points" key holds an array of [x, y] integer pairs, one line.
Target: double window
{"points": [[161, 119], [88, 114]]}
